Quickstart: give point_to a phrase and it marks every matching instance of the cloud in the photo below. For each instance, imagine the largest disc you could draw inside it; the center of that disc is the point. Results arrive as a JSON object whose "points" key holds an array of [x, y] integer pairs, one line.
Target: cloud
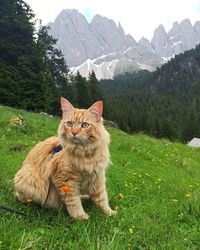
{"points": [[137, 17]]}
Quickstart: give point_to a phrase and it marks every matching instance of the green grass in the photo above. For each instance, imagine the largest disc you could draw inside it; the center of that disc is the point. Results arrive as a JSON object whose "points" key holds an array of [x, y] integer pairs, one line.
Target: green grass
{"points": [[155, 185]]}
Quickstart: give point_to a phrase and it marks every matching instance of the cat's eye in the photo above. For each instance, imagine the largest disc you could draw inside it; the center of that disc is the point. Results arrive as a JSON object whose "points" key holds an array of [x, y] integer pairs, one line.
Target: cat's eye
{"points": [[85, 125], [69, 124]]}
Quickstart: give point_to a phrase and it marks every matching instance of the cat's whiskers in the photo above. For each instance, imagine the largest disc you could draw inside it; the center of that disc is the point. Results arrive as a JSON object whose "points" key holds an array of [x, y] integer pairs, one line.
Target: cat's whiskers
{"points": [[83, 139]]}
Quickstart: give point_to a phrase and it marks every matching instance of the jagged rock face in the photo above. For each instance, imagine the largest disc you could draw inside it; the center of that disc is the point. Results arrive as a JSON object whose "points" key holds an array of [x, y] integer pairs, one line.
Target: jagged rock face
{"points": [[103, 46], [75, 37], [197, 31], [160, 42], [180, 38], [79, 40], [111, 37]]}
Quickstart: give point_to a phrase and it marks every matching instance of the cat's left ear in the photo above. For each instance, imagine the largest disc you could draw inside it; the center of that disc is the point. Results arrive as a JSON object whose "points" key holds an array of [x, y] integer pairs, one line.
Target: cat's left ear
{"points": [[96, 110], [66, 106]]}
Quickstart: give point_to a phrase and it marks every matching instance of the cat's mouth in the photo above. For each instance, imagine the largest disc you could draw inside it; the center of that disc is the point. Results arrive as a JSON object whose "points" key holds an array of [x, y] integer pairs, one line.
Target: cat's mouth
{"points": [[79, 140]]}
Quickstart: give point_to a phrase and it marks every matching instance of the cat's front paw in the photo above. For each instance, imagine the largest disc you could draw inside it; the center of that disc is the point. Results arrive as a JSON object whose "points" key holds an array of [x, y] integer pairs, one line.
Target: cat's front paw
{"points": [[81, 216], [110, 212]]}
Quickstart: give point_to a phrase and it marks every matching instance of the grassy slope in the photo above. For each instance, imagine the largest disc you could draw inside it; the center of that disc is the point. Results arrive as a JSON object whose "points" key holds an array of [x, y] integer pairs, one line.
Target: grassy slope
{"points": [[153, 183]]}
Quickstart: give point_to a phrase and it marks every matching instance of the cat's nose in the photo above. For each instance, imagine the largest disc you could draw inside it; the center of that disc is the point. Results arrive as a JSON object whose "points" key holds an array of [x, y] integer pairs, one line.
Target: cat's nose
{"points": [[74, 132]]}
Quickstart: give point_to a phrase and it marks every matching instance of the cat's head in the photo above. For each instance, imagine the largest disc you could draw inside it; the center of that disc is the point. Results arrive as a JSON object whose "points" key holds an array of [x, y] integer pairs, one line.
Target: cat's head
{"points": [[82, 127]]}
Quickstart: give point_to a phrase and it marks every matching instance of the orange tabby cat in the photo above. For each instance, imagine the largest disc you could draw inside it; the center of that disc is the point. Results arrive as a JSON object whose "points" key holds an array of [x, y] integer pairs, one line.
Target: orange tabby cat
{"points": [[78, 169]]}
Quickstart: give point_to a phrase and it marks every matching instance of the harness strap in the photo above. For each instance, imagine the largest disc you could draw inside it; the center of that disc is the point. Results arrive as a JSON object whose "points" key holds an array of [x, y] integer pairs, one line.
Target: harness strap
{"points": [[47, 196], [54, 151]]}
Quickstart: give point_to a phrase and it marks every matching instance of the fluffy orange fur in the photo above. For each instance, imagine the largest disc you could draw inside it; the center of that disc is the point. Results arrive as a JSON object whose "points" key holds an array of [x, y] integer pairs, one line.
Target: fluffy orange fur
{"points": [[77, 170]]}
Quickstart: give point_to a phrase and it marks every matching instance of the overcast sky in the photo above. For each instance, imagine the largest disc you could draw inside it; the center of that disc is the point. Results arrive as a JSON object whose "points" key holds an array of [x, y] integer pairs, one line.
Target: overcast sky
{"points": [[138, 17]]}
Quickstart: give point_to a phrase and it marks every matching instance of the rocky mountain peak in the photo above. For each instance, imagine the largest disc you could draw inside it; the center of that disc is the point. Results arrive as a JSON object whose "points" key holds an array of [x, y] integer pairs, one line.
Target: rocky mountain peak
{"points": [[120, 29], [146, 43], [197, 30], [103, 46], [71, 16], [186, 23], [160, 41]]}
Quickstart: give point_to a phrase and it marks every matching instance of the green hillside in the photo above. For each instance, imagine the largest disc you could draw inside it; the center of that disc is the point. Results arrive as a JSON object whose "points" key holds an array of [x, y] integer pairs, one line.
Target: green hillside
{"points": [[153, 184]]}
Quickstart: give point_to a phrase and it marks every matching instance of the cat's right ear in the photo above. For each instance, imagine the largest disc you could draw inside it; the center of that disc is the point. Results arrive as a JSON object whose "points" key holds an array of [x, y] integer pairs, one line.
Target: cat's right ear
{"points": [[66, 106]]}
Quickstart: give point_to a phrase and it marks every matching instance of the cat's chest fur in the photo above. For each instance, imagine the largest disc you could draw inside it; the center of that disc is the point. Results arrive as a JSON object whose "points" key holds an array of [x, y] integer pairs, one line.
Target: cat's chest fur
{"points": [[88, 164], [89, 169], [88, 182]]}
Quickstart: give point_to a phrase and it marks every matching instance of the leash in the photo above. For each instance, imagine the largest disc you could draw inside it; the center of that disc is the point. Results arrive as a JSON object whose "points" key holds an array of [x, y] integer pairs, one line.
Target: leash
{"points": [[8, 209]]}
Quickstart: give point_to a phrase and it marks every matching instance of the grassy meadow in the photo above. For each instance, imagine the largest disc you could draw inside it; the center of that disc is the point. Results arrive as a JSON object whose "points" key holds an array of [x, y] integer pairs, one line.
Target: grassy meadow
{"points": [[153, 184]]}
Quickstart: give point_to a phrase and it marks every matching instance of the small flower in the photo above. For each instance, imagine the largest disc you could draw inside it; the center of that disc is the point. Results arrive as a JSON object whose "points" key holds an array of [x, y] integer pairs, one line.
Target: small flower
{"points": [[188, 195], [174, 200], [130, 230], [180, 215], [120, 196]]}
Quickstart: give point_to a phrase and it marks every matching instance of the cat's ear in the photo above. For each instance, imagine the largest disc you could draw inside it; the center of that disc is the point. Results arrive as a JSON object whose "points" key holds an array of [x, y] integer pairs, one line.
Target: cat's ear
{"points": [[96, 110], [66, 106]]}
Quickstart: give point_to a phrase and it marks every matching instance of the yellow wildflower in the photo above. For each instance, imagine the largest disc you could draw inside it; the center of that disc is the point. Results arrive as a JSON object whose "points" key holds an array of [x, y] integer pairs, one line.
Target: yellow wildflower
{"points": [[188, 195], [174, 200], [130, 230], [117, 208], [120, 196]]}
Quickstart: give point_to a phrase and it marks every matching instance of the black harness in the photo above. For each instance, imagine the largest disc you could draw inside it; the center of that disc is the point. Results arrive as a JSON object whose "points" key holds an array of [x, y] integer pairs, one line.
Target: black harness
{"points": [[54, 151]]}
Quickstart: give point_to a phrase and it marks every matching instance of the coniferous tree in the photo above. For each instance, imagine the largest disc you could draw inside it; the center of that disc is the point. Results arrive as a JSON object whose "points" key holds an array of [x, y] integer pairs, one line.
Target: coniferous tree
{"points": [[22, 77], [16, 48], [82, 91], [55, 68], [94, 88], [190, 127], [33, 73]]}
